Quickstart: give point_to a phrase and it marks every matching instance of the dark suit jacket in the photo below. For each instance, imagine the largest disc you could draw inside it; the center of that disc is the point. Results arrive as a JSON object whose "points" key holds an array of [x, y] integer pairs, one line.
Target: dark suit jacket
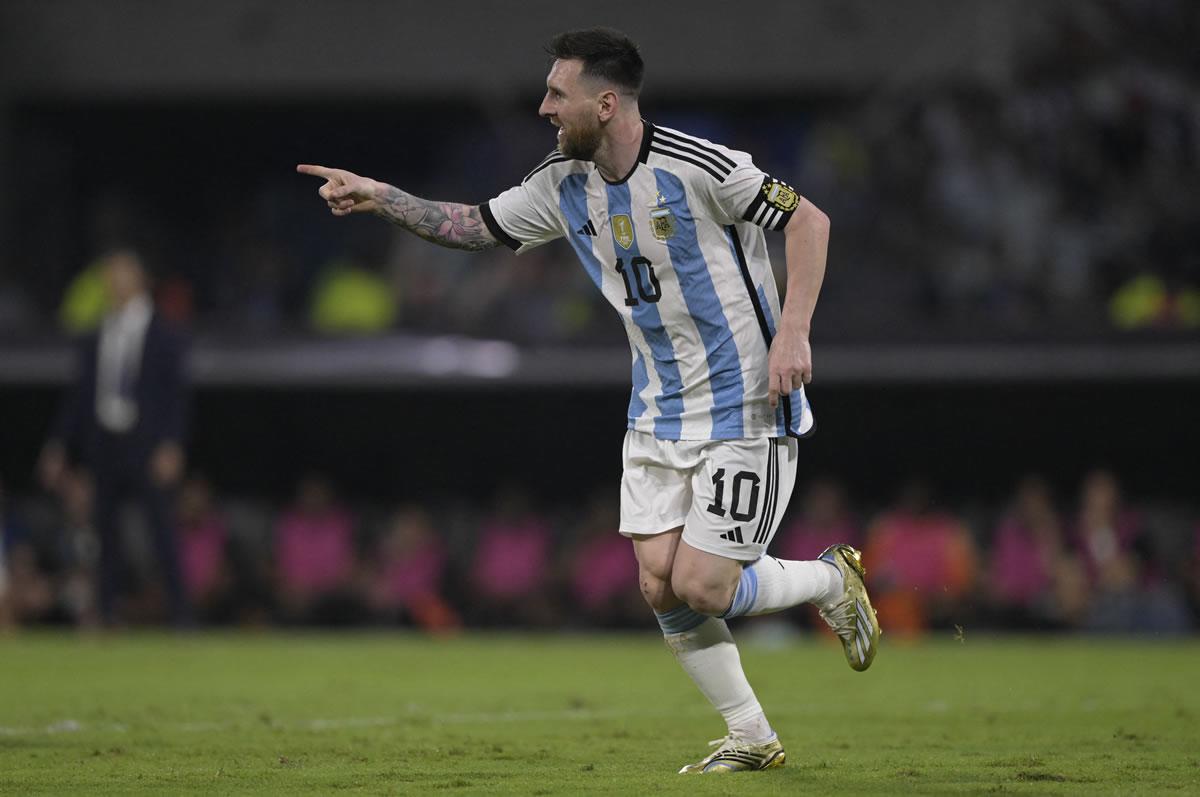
{"points": [[161, 393]]}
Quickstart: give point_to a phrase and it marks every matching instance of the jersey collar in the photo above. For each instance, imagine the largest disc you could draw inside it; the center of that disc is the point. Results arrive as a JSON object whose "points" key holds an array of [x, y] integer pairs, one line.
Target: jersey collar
{"points": [[643, 153]]}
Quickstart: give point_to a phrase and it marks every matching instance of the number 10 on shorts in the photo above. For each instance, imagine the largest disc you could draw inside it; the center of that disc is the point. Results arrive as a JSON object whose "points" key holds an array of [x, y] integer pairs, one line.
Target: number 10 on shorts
{"points": [[744, 494]]}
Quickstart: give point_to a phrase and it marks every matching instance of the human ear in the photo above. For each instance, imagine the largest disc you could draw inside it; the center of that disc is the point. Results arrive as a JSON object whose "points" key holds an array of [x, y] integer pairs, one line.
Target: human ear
{"points": [[608, 103]]}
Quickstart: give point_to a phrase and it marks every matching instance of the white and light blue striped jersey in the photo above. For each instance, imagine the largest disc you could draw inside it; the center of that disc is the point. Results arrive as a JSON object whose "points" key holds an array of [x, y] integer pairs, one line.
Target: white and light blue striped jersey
{"points": [[677, 247]]}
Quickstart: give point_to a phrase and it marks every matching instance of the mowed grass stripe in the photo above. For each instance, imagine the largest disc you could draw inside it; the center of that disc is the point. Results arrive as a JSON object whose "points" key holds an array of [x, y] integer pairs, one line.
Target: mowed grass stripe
{"points": [[574, 714]]}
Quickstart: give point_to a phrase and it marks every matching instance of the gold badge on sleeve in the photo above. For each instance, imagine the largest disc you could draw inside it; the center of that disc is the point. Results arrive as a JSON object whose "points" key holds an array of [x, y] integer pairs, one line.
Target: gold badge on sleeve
{"points": [[780, 196]]}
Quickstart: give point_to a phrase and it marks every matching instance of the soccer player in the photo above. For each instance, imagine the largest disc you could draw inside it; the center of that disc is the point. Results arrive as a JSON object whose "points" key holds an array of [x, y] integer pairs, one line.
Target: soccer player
{"points": [[670, 228]]}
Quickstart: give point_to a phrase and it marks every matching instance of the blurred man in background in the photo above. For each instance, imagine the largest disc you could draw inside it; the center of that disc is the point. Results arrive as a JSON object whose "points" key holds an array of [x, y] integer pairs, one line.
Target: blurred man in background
{"points": [[124, 417], [670, 228]]}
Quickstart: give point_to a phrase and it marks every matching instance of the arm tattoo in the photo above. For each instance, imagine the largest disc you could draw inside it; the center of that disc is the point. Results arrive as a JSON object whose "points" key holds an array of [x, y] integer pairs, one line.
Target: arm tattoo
{"points": [[448, 224]]}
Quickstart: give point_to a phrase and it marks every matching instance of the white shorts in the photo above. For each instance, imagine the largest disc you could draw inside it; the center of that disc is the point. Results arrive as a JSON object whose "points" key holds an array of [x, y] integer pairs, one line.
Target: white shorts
{"points": [[729, 495]]}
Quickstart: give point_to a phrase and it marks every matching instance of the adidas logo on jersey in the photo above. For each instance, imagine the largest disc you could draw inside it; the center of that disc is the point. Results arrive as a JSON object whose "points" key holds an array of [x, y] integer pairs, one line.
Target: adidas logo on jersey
{"points": [[733, 535], [588, 229]]}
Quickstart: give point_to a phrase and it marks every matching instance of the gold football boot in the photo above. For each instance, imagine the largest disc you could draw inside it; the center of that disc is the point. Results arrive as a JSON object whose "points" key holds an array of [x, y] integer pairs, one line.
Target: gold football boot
{"points": [[852, 617], [734, 754]]}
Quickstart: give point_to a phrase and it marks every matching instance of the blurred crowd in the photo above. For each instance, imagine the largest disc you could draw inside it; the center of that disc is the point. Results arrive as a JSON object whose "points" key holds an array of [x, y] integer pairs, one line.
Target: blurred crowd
{"points": [[1058, 203], [1097, 563]]}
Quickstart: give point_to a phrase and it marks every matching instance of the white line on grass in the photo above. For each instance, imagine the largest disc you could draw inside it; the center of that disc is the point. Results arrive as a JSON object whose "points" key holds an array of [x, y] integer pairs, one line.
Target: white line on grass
{"points": [[319, 725]]}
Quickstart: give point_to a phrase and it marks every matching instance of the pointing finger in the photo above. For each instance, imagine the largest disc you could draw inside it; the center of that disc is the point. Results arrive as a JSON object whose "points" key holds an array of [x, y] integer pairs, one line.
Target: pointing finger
{"points": [[773, 391], [315, 171]]}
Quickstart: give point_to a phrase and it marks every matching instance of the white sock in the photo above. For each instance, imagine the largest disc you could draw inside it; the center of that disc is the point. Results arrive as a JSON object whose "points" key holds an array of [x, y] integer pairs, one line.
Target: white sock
{"points": [[771, 584], [710, 658]]}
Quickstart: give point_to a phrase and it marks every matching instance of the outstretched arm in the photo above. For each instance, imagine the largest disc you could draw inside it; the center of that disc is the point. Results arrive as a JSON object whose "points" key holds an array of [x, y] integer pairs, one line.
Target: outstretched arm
{"points": [[449, 224]]}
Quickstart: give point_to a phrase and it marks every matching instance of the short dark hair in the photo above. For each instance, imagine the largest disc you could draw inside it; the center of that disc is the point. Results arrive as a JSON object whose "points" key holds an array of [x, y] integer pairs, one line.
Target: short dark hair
{"points": [[606, 53]]}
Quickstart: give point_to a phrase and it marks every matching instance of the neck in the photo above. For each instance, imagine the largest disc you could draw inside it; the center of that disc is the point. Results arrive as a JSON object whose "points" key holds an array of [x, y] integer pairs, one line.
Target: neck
{"points": [[618, 152]]}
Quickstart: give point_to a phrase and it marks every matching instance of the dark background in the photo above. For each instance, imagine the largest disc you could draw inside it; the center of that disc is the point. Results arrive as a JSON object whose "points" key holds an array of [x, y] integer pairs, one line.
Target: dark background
{"points": [[917, 126], [409, 444]]}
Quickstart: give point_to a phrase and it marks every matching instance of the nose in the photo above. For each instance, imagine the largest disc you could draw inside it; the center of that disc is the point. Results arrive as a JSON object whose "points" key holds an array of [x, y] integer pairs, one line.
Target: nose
{"points": [[546, 108]]}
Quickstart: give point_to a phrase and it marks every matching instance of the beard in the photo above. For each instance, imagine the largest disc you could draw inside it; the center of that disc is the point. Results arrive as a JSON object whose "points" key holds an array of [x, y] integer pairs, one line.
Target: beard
{"points": [[580, 143]]}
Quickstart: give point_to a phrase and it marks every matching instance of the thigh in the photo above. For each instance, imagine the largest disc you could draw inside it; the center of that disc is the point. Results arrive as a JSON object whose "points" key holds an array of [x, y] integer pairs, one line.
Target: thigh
{"points": [[656, 486], [656, 553], [741, 490], [656, 560]]}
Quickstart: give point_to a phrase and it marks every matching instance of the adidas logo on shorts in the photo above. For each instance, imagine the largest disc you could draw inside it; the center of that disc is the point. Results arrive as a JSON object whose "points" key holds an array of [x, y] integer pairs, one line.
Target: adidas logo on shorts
{"points": [[733, 535]]}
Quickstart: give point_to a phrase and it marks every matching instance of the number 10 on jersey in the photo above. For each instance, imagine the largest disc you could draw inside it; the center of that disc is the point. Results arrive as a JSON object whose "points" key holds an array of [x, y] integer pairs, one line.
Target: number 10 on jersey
{"points": [[648, 294]]}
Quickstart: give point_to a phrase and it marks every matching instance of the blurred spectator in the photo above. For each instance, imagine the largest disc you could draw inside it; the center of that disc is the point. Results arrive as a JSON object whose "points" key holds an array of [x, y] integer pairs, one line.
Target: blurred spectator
{"points": [[1128, 591], [1033, 580], [314, 556], [85, 300], [349, 299], [9, 533], [405, 576], [203, 539], [125, 417], [1193, 578], [1052, 201], [510, 575], [1105, 534], [174, 299], [1147, 301], [602, 570], [79, 549], [823, 519], [921, 563], [26, 592]]}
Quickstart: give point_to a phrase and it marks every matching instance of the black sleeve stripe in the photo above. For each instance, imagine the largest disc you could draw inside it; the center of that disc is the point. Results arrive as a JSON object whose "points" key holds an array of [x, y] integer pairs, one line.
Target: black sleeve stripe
{"points": [[756, 204], [695, 142], [721, 168], [701, 164], [489, 220], [548, 162]]}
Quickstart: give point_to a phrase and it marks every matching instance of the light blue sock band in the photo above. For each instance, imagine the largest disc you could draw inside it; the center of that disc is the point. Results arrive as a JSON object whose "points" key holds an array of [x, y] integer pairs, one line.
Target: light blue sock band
{"points": [[680, 619], [746, 594]]}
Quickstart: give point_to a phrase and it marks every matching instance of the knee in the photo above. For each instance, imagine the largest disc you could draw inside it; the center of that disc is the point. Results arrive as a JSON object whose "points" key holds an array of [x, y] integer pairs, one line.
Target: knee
{"points": [[705, 596], [656, 589]]}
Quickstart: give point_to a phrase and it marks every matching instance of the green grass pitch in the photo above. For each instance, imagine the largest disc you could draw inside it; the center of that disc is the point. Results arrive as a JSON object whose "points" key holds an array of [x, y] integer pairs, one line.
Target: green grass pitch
{"points": [[572, 714]]}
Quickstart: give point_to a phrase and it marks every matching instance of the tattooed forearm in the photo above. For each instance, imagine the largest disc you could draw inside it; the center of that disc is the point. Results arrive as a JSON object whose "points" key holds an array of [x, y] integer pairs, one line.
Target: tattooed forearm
{"points": [[447, 224]]}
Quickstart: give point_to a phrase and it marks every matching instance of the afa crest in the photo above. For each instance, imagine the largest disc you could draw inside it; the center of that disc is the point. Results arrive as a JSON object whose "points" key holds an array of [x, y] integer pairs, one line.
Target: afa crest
{"points": [[662, 223], [780, 196], [622, 230]]}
